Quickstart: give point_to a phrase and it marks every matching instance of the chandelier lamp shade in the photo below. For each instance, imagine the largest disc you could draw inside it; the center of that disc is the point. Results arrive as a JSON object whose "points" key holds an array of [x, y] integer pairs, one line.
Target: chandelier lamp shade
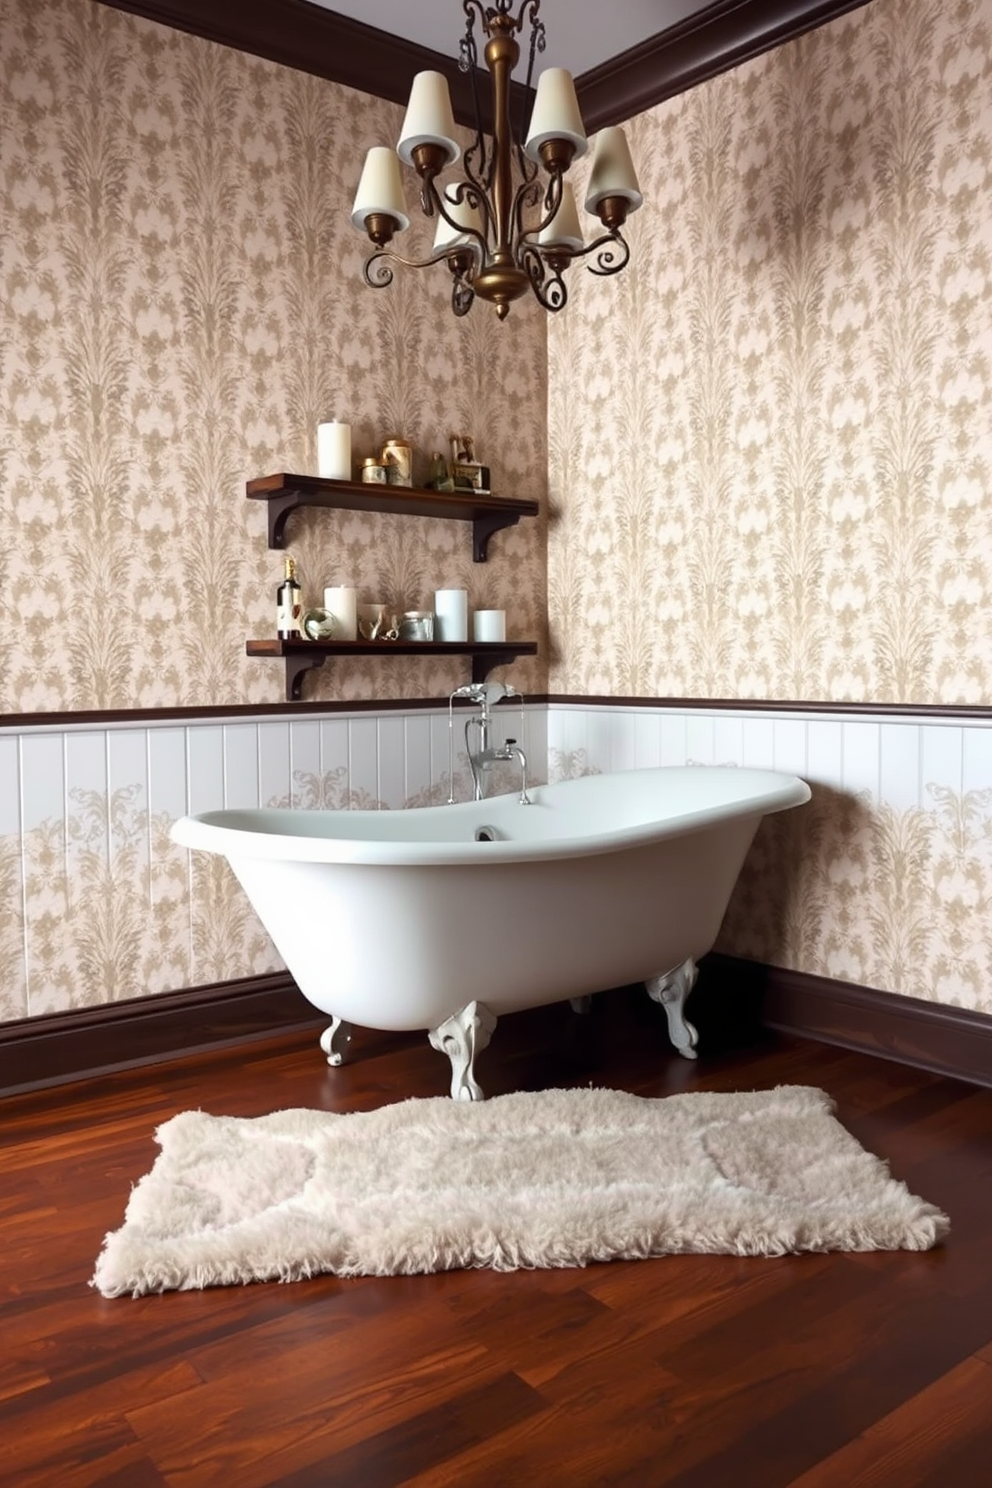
{"points": [[508, 224]]}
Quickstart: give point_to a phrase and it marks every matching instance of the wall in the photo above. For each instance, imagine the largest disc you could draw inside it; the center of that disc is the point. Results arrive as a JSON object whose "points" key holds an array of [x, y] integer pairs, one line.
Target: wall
{"points": [[778, 484], [100, 905], [883, 879], [181, 303]]}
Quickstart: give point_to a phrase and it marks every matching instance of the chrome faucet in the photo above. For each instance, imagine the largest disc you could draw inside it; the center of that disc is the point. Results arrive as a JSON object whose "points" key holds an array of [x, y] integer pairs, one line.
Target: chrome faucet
{"points": [[486, 754]]}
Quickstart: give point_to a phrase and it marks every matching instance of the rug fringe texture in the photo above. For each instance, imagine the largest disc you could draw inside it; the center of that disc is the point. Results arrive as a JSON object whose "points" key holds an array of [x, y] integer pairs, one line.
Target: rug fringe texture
{"points": [[546, 1179]]}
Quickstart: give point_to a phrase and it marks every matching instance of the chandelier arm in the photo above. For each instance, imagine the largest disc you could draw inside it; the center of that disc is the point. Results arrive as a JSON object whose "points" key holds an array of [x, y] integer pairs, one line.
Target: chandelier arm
{"points": [[527, 196], [460, 192], [550, 289], [603, 247], [477, 188], [538, 41], [552, 201], [377, 272], [468, 61], [462, 295]]}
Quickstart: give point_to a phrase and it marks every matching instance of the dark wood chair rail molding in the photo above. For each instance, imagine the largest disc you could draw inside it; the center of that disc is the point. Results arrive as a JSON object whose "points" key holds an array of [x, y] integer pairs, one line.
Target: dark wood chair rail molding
{"points": [[907, 712], [311, 39]]}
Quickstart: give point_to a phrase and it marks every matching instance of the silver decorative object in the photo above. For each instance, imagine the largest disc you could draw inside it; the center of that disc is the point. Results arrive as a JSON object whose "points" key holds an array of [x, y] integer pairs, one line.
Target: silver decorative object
{"points": [[319, 625]]}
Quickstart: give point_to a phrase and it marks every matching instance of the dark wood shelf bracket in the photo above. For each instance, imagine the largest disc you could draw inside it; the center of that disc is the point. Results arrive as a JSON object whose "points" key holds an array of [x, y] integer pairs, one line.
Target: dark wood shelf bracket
{"points": [[297, 667], [483, 528], [279, 510], [482, 665]]}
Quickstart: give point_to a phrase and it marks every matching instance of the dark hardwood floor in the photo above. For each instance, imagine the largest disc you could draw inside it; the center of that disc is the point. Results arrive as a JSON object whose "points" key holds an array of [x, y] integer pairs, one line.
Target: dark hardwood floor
{"points": [[815, 1371]]}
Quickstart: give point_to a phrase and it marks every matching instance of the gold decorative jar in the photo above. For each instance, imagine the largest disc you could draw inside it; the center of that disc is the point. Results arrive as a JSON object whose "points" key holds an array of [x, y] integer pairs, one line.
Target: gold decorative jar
{"points": [[374, 472], [397, 456]]}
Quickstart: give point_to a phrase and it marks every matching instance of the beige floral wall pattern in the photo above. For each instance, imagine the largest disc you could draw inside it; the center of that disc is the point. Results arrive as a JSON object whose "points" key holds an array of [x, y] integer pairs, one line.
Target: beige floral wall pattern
{"points": [[883, 879], [100, 905], [181, 304], [765, 448], [780, 483], [867, 894]]}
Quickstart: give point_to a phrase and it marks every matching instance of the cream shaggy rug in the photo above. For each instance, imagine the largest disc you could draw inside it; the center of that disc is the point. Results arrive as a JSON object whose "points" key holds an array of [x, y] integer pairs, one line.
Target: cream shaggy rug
{"points": [[557, 1178]]}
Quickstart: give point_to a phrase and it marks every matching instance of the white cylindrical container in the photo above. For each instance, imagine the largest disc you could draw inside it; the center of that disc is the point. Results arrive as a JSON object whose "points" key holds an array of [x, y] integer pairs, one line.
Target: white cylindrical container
{"points": [[451, 614], [489, 625], [334, 451], [343, 605]]}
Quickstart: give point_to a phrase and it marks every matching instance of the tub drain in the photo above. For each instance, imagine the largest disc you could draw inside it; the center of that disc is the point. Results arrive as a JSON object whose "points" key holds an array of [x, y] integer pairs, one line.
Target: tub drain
{"points": [[485, 834]]}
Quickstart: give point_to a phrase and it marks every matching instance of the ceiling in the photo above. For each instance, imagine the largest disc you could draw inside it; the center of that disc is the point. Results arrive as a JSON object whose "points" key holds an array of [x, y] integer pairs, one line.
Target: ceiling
{"points": [[581, 34], [626, 55]]}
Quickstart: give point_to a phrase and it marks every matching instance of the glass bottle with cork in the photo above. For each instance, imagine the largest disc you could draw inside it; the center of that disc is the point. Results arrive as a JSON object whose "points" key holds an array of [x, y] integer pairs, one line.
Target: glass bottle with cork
{"points": [[289, 605]]}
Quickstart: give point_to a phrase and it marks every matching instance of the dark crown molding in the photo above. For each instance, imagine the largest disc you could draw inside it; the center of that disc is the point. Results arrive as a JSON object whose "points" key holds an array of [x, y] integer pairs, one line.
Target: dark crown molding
{"points": [[714, 40], [311, 39]]}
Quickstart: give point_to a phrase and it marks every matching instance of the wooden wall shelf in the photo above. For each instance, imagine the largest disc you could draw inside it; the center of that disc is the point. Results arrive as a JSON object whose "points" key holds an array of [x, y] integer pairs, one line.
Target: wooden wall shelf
{"points": [[488, 514], [301, 656]]}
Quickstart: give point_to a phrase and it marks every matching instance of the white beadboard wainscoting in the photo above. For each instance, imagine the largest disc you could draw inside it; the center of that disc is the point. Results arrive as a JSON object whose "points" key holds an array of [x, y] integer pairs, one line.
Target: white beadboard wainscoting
{"points": [[100, 905], [895, 761], [884, 880]]}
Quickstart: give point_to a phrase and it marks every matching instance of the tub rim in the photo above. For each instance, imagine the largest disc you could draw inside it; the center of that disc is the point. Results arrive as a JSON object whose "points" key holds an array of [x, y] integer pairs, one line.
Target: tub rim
{"points": [[208, 832]]}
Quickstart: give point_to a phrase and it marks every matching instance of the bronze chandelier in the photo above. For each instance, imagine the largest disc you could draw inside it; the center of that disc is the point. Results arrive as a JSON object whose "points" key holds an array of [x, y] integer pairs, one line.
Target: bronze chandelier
{"points": [[502, 230]]}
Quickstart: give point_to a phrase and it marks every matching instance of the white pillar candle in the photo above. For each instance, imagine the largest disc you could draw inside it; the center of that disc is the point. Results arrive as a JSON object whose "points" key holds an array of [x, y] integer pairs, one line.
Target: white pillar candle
{"points": [[489, 625], [343, 605], [334, 451], [451, 614]]}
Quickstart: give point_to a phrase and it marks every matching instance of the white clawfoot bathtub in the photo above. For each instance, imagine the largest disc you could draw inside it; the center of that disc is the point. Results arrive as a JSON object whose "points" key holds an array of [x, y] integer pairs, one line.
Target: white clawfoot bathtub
{"points": [[404, 920]]}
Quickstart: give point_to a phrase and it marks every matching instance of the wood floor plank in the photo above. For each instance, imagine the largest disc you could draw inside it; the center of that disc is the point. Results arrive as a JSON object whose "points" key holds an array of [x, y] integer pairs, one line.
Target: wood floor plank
{"points": [[46, 1443], [321, 1394], [914, 1437], [694, 1371]]}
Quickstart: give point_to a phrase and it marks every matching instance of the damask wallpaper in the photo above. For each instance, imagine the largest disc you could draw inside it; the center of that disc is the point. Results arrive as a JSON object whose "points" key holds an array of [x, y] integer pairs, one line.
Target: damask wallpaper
{"points": [[778, 481], [181, 304], [764, 449]]}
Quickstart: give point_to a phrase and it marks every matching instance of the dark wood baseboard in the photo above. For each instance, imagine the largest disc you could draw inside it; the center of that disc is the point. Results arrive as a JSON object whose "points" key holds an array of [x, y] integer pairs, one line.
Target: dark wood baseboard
{"points": [[734, 998], [57, 1048], [927, 1035]]}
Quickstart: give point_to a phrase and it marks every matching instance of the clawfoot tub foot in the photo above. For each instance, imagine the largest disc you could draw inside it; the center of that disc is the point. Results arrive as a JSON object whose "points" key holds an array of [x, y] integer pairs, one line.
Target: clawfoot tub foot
{"points": [[342, 1032], [671, 991], [462, 1036]]}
